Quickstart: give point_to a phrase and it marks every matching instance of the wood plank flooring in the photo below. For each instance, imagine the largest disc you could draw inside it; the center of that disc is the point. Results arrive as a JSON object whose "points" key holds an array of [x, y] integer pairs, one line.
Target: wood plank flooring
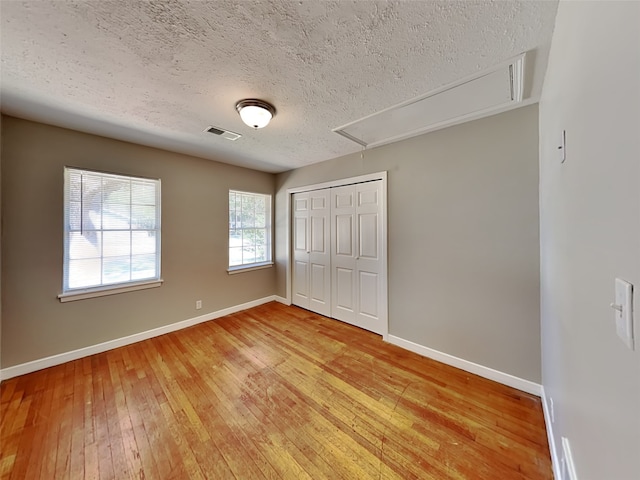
{"points": [[274, 392]]}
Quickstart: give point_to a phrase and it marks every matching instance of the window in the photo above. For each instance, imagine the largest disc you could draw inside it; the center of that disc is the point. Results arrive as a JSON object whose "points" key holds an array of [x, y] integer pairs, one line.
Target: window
{"points": [[249, 230], [111, 230]]}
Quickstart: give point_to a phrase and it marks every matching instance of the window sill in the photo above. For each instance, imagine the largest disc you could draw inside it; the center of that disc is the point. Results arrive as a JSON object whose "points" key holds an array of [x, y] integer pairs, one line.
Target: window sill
{"points": [[248, 268], [110, 290]]}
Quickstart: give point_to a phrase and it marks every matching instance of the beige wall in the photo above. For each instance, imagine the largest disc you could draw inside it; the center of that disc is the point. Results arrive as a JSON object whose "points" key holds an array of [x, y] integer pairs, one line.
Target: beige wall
{"points": [[194, 241], [463, 237], [590, 234], [1, 234]]}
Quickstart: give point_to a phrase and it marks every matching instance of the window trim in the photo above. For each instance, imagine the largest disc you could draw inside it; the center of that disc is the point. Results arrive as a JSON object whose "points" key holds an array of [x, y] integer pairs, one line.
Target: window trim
{"points": [[81, 293], [246, 268], [234, 269]]}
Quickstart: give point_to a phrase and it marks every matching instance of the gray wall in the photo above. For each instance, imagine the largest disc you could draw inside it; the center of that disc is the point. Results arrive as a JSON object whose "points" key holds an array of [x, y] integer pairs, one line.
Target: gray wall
{"points": [[194, 241], [590, 234], [463, 237]]}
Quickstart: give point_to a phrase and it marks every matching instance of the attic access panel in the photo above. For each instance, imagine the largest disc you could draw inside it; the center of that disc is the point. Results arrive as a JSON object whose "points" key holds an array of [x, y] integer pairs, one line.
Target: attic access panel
{"points": [[465, 100]]}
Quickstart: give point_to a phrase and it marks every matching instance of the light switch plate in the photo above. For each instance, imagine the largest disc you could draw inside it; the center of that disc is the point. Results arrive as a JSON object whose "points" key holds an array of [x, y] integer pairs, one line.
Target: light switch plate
{"points": [[562, 148], [624, 312]]}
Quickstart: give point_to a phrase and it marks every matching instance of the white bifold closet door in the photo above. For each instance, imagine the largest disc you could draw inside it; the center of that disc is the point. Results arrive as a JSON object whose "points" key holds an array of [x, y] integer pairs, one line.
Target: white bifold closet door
{"points": [[311, 251], [357, 295]]}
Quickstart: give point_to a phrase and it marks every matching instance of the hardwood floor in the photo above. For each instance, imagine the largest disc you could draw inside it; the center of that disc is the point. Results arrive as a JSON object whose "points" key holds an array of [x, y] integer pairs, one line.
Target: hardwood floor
{"points": [[273, 392]]}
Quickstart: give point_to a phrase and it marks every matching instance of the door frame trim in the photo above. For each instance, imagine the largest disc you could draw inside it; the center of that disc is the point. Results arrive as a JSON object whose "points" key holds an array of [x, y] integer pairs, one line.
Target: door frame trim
{"points": [[340, 183]]}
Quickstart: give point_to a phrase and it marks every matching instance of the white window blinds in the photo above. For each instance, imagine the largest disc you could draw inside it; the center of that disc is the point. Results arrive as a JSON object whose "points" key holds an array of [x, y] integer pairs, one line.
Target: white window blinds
{"points": [[111, 229]]}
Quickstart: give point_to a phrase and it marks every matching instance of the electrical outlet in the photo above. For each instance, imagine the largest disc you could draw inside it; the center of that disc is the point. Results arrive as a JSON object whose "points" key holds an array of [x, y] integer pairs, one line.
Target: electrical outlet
{"points": [[198, 304]]}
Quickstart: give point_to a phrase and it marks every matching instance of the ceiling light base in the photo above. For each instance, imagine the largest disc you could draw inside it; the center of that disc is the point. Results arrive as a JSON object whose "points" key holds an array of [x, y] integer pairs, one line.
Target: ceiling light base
{"points": [[255, 113]]}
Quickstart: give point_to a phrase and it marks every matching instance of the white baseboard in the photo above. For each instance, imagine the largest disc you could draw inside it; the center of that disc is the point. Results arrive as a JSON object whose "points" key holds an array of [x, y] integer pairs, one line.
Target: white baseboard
{"points": [[53, 360], [555, 460], [486, 372], [282, 300]]}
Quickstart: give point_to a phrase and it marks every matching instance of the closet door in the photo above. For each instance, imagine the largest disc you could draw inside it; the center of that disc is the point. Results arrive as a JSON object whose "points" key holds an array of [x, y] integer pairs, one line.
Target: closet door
{"points": [[357, 255], [371, 306], [343, 253], [311, 251], [300, 285]]}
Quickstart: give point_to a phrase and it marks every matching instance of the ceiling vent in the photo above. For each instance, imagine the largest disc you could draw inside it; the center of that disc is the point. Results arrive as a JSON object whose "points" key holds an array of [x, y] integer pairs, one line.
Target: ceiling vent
{"points": [[223, 133], [491, 91]]}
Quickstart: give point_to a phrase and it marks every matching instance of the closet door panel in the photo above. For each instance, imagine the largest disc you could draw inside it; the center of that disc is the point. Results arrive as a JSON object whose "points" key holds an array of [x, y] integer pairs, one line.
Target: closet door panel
{"points": [[320, 253], [300, 235], [357, 254], [311, 251], [300, 273], [368, 294], [368, 240], [344, 306], [343, 258], [344, 235], [301, 285], [369, 256]]}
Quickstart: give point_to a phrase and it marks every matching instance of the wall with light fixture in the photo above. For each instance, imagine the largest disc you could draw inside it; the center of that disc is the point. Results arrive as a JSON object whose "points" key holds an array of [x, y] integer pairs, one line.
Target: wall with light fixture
{"points": [[35, 324], [463, 238]]}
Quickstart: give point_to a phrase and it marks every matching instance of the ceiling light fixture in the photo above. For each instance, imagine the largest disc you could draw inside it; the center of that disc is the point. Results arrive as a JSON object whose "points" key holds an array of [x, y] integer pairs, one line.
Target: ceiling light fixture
{"points": [[255, 113]]}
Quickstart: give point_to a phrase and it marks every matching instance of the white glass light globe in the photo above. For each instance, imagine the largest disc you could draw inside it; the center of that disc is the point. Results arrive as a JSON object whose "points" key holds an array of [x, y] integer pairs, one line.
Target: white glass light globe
{"points": [[255, 116]]}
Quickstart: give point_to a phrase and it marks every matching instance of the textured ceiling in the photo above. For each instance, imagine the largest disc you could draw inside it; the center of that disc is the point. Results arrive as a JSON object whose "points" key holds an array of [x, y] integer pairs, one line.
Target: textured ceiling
{"points": [[159, 72]]}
